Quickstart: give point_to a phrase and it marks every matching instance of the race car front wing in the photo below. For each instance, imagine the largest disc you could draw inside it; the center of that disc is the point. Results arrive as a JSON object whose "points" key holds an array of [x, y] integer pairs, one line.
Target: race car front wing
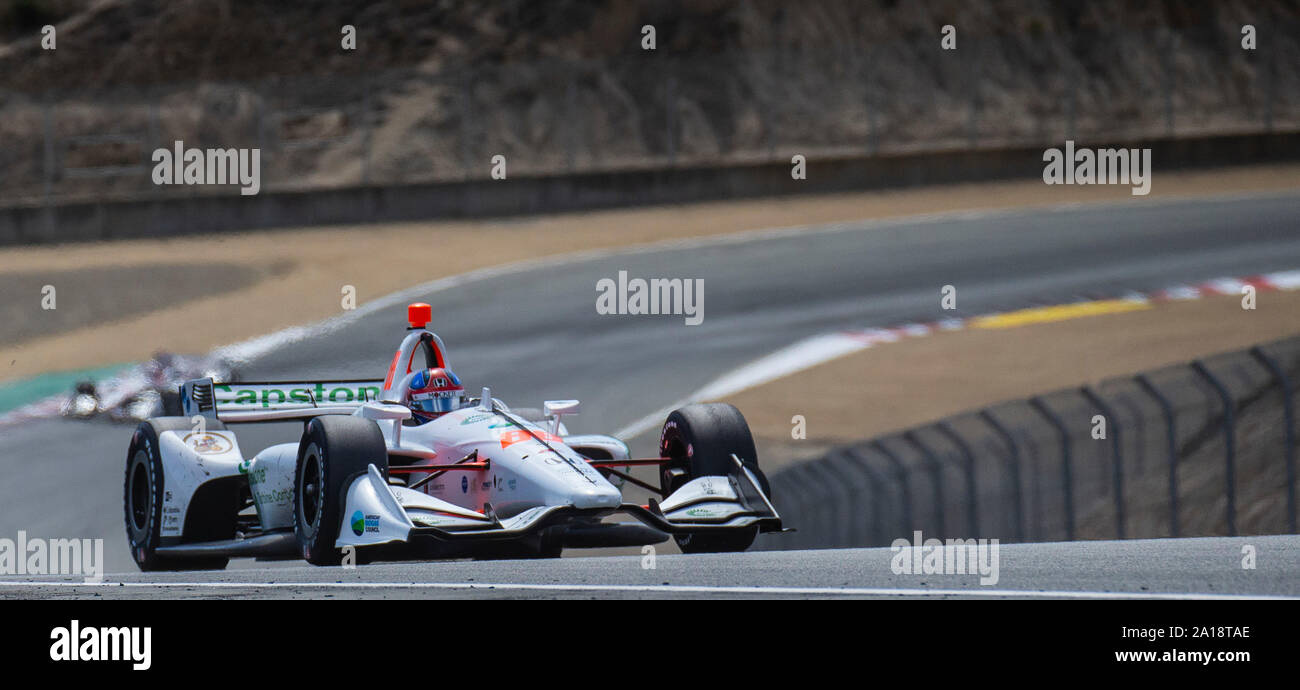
{"points": [[377, 513]]}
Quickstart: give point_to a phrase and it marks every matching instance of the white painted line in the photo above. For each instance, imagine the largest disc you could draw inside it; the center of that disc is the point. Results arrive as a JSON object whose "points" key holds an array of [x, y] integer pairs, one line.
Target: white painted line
{"points": [[1284, 280], [788, 360], [665, 589], [1224, 286], [1181, 293]]}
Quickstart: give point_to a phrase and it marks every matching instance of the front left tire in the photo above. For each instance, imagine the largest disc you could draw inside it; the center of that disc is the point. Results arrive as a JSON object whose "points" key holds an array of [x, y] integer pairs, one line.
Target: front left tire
{"points": [[333, 451], [701, 438]]}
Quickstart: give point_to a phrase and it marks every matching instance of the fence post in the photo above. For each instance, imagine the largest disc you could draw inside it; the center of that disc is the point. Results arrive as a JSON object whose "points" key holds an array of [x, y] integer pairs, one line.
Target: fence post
{"points": [[1072, 102], [670, 103], [936, 475], [765, 107], [1171, 446], [466, 115], [796, 515], [873, 116], [836, 505], [1018, 509], [853, 457], [972, 115], [1288, 414], [819, 512], [1270, 78], [1137, 429], [367, 136], [571, 119], [850, 518], [1067, 475], [968, 464], [47, 191], [152, 134], [1229, 440], [900, 474], [263, 143], [1112, 430], [1171, 42]]}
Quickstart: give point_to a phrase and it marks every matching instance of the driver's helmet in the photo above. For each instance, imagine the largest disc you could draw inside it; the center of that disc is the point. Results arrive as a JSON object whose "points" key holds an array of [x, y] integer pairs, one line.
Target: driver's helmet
{"points": [[434, 392]]}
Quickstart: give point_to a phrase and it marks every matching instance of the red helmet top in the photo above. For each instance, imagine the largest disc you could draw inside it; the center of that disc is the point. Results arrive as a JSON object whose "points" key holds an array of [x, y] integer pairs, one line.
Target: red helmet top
{"points": [[434, 392]]}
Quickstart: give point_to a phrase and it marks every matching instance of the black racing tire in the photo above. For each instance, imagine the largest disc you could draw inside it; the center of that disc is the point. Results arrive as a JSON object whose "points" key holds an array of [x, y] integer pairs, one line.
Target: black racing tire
{"points": [[142, 497], [333, 451], [700, 439]]}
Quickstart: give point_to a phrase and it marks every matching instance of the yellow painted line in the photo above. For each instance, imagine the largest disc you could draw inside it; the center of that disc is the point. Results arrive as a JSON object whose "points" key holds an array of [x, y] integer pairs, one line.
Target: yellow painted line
{"points": [[1059, 312]]}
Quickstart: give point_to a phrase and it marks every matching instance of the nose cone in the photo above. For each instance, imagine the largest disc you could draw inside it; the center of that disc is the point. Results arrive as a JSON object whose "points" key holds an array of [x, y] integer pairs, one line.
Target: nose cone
{"points": [[597, 497]]}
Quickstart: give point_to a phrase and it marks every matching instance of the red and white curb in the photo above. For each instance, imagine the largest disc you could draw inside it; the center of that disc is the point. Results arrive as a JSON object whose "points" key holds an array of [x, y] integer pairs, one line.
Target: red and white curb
{"points": [[1268, 282]]}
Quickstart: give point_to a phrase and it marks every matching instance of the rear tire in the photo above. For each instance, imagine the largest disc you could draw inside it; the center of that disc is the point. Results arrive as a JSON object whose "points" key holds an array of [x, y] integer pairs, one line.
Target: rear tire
{"points": [[334, 450], [701, 439], [142, 497]]}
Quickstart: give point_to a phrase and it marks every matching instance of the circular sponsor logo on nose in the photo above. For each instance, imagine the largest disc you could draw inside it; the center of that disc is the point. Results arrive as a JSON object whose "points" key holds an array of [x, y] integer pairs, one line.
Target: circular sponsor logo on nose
{"points": [[358, 523], [208, 443]]}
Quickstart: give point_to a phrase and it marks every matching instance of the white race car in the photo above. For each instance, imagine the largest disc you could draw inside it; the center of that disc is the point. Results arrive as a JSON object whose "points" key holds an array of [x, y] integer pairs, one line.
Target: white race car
{"points": [[410, 467]]}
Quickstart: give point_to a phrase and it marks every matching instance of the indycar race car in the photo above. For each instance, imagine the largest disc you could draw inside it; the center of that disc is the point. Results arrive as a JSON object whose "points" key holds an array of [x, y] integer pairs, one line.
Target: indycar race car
{"points": [[411, 467]]}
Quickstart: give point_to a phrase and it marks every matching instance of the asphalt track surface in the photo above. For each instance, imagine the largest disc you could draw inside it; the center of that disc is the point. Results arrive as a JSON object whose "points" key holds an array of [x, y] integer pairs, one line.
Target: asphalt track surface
{"points": [[1136, 569], [534, 333]]}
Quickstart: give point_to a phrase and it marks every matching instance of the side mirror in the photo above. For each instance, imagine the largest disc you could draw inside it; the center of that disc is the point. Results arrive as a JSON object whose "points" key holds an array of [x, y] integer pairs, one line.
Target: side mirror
{"points": [[378, 411], [554, 409], [557, 408]]}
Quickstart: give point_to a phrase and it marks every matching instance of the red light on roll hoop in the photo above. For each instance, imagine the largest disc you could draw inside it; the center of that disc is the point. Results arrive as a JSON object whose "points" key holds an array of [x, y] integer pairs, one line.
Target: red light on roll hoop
{"points": [[419, 314]]}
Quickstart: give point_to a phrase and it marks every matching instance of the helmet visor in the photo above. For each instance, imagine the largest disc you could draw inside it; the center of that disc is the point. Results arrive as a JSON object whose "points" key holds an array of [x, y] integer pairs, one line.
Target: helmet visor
{"points": [[435, 403]]}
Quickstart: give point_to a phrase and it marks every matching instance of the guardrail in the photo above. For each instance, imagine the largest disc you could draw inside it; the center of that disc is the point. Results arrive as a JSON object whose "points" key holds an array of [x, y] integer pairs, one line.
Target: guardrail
{"points": [[172, 216], [1201, 449]]}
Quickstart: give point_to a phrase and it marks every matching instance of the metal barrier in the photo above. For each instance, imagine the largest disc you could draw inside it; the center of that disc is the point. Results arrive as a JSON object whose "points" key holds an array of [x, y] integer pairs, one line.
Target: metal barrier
{"points": [[1229, 442], [1288, 402], [1171, 436], [1224, 429], [1117, 455]]}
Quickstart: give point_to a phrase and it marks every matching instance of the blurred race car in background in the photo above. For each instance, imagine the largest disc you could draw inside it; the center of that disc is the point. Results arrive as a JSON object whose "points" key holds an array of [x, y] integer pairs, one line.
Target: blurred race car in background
{"points": [[148, 390]]}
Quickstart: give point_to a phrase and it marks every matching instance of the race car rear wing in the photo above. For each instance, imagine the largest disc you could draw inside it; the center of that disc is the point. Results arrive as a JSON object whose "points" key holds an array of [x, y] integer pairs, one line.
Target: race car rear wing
{"points": [[275, 401]]}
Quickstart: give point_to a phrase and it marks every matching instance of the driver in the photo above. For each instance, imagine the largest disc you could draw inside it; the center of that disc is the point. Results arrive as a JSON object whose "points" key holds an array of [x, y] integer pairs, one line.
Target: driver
{"points": [[431, 393]]}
